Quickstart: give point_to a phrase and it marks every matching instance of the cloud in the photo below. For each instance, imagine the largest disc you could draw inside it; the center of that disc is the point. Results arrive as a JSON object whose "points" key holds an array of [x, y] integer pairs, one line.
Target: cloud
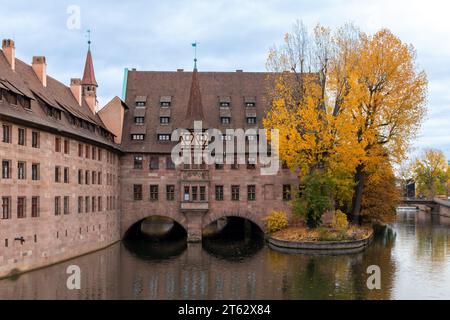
{"points": [[156, 35]]}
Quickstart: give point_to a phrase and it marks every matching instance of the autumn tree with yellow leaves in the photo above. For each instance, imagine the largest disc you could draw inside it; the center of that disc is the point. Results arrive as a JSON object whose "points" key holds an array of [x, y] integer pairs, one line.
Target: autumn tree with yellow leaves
{"points": [[431, 173], [344, 101]]}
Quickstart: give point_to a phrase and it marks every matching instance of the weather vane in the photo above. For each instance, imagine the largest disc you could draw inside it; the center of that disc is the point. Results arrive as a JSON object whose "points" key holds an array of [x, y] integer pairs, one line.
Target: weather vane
{"points": [[89, 37], [194, 45]]}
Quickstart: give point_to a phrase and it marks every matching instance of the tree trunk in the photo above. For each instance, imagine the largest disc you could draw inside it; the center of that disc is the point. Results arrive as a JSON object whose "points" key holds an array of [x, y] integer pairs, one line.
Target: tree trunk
{"points": [[357, 197]]}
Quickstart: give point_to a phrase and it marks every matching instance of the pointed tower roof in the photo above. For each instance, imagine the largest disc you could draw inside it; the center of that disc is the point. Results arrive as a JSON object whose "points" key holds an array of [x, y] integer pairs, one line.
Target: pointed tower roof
{"points": [[194, 110], [89, 74]]}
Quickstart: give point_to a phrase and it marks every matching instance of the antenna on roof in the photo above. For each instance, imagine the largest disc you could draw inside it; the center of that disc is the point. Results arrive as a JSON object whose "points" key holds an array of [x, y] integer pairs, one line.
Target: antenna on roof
{"points": [[194, 45]]}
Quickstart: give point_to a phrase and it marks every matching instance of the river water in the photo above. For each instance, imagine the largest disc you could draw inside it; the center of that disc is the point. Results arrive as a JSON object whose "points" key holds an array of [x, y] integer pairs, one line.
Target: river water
{"points": [[413, 254]]}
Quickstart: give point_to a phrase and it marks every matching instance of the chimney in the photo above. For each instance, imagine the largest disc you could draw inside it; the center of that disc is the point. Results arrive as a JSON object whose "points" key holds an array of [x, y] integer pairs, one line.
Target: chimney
{"points": [[75, 87], [40, 68], [9, 50]]}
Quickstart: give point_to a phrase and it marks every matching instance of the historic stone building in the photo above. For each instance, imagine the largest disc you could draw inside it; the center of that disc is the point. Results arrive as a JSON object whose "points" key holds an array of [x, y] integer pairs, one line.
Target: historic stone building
{"points": [[75, 179], [59, 184]]}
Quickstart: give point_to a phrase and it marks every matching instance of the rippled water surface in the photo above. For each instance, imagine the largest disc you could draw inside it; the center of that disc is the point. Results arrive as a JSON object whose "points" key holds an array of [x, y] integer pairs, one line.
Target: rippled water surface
{"points": [[413, 254]]}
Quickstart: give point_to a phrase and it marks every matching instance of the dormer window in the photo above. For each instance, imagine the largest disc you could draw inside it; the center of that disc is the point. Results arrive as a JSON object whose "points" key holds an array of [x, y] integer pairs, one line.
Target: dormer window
{"points": [[164, 120], [165, 102], [141, 101], [139, 120], [225, 120], [138, 137], [251, 120], [164, 137]]}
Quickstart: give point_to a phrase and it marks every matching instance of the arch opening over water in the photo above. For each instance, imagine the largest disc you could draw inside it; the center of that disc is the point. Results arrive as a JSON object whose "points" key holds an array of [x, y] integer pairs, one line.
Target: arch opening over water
{"points": [[233, 238]]}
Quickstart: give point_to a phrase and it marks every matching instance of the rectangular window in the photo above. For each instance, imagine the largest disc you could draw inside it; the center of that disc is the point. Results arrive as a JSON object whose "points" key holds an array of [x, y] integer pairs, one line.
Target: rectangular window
{"points": [[164, 137], [66, 146], [224, 104], [80, 176], [170, 165], [250, 104], [219, 166], [194, 193], [21, 207], [21, 137], [35, 139], [235, 193], [170, 192], [219, 193], [57, 144], [154, 163], [99, 179], [35, 174], [35, 210], [86, 177], [80, 204], [137, 137], [86, 204], [225, 120], [57, 174], [165, 104], [186, 196], [6, 169], [6, 208], [100, 204], [21, 170], [137, 190], [94, 153], [140, 104], [87, 152], [138, 160], [100, 153], [139, 121], [66, 175], [94, 177], [57, 206], [66, 205], [94, 204], [6, 134], [164, 120], [251, 120], [251, 193], [153, 192], [202, 193], [80, 150], [287, 192]]}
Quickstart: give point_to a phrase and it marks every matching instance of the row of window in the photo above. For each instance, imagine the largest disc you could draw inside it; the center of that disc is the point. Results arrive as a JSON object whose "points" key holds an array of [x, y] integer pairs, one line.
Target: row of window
{"points": [[199, 193], [89, 152], [61, 206], [167, 104], [154, 164], [21, 170], [166, 120], [61, 174]]}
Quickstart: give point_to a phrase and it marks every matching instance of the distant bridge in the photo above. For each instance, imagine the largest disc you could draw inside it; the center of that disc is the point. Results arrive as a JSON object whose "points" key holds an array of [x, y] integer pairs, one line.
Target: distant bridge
{"points": [[441, 207]]}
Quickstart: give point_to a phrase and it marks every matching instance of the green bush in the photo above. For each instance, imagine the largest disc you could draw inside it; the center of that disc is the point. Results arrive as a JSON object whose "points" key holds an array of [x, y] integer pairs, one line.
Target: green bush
{"points": [[276, 221], [315, 199]]}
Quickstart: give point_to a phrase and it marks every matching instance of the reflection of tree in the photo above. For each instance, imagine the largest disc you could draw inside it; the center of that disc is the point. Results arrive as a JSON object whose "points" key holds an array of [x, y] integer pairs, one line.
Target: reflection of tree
{"points": [[431, 241], [344, 277]]}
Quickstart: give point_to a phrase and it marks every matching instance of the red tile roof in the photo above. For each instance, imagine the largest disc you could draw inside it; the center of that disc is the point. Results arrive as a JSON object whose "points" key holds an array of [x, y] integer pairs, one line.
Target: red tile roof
{"points": [[89, 74]]}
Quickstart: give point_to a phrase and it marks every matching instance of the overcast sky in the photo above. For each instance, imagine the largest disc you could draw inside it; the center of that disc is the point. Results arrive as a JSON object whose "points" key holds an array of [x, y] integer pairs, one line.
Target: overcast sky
{"points": [[157, 35]]}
